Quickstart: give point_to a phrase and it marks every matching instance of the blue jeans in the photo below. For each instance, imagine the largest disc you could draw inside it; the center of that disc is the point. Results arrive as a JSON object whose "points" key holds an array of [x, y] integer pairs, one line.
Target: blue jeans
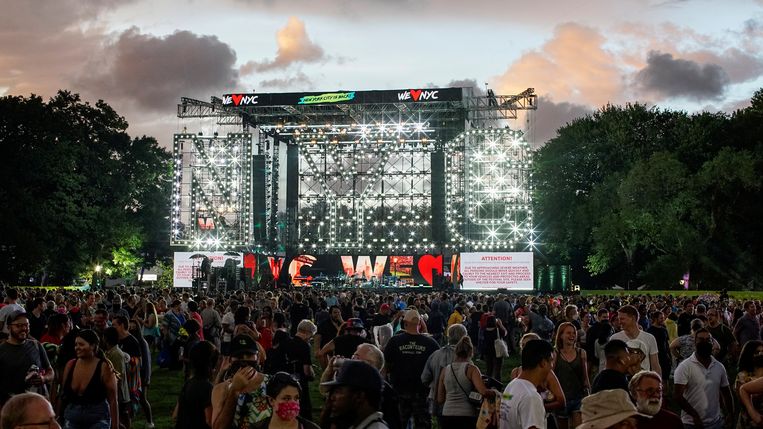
{"points": [[88, 416]]}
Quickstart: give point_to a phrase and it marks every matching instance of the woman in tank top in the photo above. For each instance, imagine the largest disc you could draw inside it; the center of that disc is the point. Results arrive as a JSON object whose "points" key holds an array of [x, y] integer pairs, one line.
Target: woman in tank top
{"points": [[571, 370], [89, 387], [457, 380]]}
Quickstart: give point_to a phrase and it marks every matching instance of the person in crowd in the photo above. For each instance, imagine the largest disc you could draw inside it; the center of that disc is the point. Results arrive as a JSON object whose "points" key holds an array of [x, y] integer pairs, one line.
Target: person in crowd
{"points": [[456, 382], [493, 331], [193, 314], [750, 367], [550, 391], [436, 324], [702, 387], [571, 369], [194, 405], [521, 404], [58, 326], [345, 344], [284, 396], [145, 371], [609, 409], [150, 323], [211, 323], [130, 345], [228, 323], [28, 410], [683, 346], [747, 328], [89, 388], [119, 362], [457, 316], [596, 337], [615, 371], [11, 306], [300, 358], [298, 312], [406, 355], [685, 318], [660, 333], [646, 389], [722, 334], [355, 396], [117, 309], [24, 363], [436, 362], [37, 319], [750, 395], [628, 317], [243, 324]]}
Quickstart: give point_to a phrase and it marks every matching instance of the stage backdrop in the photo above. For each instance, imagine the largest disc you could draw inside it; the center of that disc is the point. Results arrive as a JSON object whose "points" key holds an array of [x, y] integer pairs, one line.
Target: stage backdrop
{"points": [[491, 271], [186, 262]]}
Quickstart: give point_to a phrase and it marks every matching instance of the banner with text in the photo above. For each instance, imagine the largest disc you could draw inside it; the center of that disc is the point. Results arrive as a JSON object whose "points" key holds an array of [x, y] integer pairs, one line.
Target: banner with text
{"points": [[491, 271], [186, 263]]}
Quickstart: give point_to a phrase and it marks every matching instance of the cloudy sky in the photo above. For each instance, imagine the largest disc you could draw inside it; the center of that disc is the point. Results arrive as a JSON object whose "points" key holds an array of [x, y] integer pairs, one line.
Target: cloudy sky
{"points": [[142, 56]]}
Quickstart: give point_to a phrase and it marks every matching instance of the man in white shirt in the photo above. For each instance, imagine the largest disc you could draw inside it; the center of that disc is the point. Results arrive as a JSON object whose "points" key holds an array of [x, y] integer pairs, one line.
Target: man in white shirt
{"points": [[628, 317], [521, 405], [702, 386]]}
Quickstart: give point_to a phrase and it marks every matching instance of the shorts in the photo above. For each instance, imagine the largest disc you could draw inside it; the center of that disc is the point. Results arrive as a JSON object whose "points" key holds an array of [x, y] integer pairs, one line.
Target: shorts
{"points": [[572, 406], [87, 416]]}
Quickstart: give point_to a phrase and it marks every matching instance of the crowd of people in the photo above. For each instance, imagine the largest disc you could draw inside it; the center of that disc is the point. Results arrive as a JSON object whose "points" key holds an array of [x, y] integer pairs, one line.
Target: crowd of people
{"points": [[380, 359]]}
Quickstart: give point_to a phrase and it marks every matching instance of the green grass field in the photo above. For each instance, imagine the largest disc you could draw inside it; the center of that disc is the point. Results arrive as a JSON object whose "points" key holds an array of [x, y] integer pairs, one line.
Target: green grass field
{"points": [[687, 293]]}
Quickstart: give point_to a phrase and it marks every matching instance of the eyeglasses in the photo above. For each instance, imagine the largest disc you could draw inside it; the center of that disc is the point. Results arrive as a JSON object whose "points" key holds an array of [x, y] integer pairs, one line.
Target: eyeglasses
{"points": [[651, 391], [21, 325]]}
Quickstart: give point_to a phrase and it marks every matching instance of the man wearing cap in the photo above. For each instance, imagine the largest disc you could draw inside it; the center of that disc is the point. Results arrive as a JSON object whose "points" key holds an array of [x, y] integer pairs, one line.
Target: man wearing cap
{"points": [[355, 396], [610, 409], [521, 404], [17, 355], [646, 389], [406, 354], [345, 345]]}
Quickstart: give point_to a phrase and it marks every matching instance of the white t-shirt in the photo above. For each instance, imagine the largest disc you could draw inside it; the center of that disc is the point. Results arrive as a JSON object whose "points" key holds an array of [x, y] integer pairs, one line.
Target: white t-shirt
{"points": [[522, 406], [228, 320], [703, 388], [5, 312], [646, 343]]}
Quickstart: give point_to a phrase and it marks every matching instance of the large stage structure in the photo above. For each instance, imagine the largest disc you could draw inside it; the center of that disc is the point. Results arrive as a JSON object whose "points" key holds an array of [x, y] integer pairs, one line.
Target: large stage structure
{"points": [[410, 171]]}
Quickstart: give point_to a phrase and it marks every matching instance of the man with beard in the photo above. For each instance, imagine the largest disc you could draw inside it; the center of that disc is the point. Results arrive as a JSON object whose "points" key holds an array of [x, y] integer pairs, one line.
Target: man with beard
{"points": [[355, 396], [18, 355], [702, 386], [327, 331], [646, 389]]}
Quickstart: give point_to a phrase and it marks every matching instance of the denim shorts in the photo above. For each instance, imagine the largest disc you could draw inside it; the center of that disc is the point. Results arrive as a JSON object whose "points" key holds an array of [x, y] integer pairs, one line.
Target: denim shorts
{"points": [[87, 416]]}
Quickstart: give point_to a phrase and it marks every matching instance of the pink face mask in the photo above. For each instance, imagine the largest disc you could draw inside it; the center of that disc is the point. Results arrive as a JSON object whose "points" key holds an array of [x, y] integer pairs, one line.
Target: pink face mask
{"points": [[288, 410]]}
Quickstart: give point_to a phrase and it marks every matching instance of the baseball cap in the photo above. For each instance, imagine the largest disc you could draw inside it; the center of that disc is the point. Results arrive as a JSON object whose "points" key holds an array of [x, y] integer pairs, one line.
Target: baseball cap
{"points": [[356, 373], [242, 345], [15, 315], [603, 409], [384, 307], [411, 315], [354, 323]]}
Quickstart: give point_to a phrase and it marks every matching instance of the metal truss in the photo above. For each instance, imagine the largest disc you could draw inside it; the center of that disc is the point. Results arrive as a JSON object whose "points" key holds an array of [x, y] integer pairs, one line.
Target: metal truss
{"points": [[211, 194]]}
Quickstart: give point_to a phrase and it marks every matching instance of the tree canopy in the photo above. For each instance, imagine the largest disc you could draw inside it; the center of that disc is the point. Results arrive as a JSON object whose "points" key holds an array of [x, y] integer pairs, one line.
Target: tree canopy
{"points": [[77, 191], [635, 195]]}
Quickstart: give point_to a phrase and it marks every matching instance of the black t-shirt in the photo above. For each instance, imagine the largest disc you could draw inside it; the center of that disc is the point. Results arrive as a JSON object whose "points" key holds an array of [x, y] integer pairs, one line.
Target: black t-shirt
{"points": [[195, 397], [724, 336], [436, 323], [609, 379], [36, 325], [298, 352], [684, 323], [130, 346], [15, 361], [660, 335], [345, 345], [298, 312], [327, 330], [405, 356]]}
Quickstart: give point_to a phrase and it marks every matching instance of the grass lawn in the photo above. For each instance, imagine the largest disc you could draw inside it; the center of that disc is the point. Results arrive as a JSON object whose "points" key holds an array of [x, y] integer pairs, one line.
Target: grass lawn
{"points": [[688, 293]]}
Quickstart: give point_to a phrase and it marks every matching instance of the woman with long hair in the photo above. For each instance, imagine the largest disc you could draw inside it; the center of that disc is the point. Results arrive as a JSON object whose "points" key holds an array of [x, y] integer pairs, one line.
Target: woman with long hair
{"points": [[493, 330], [750, 366], [89, 392], [194, 406], [456, 381], [570, 367], [150, 323], [283, 393], [145, 370]]}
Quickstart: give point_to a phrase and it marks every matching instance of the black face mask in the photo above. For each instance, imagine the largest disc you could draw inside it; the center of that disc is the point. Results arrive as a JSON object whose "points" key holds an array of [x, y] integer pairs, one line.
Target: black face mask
{"points": [[704, 349]]}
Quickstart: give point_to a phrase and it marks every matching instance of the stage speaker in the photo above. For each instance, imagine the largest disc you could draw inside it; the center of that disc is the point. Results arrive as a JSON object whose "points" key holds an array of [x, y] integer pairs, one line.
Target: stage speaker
{"points": [[258, 197], [292, 193], [437, 159]]}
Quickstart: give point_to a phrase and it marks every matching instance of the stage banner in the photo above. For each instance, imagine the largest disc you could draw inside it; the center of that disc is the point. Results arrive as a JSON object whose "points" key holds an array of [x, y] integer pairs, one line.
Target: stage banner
{"points": [[187, 262], [411, 95], [491, 271]]}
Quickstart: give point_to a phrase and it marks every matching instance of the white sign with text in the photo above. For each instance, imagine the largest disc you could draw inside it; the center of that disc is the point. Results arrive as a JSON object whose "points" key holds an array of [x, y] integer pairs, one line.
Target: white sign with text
{"points": [[493, 270]]}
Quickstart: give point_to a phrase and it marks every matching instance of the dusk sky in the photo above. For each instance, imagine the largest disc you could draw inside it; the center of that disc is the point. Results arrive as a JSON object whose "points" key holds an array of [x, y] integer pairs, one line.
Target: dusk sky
{"points": [[142, 56]]}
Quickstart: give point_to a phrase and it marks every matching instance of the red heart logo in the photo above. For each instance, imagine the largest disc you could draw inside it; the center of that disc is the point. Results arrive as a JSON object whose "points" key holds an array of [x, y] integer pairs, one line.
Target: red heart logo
{"points": [[415, 94], [427, 263], [237, 98]]}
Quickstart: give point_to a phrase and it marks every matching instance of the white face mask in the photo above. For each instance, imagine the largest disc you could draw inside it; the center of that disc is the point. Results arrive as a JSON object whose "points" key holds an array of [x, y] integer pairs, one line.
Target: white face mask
{"points": [[649, 406]]}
